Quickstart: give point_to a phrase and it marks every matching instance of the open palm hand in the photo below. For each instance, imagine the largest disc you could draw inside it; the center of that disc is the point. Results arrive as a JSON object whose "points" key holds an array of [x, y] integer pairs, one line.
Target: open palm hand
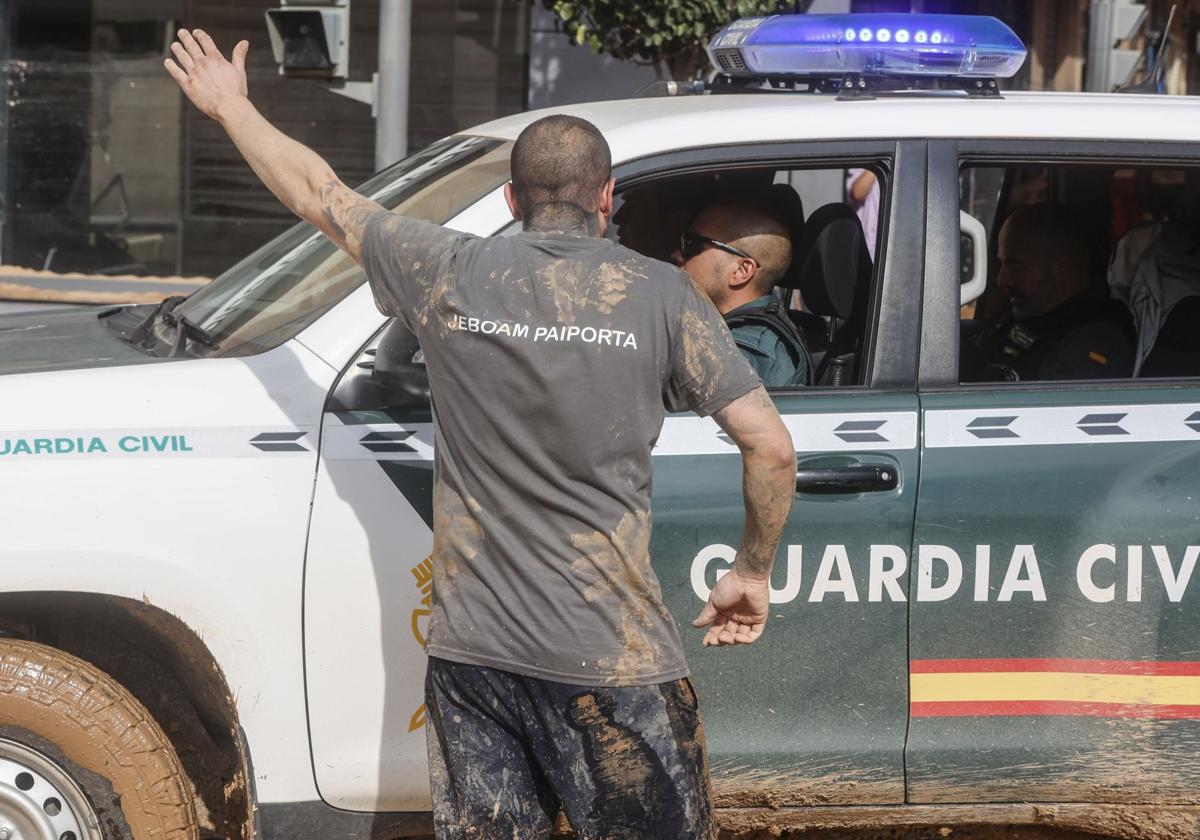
{"points": [[207, 78]]}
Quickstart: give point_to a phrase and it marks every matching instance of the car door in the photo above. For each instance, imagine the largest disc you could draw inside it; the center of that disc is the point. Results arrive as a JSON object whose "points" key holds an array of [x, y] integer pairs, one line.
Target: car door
{"points": [[1053, 635], [367, 582], [815, 712]]}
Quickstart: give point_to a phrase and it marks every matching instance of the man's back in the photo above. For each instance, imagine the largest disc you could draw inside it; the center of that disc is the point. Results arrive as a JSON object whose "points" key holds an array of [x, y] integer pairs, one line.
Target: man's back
{"points": [[552, 358]]}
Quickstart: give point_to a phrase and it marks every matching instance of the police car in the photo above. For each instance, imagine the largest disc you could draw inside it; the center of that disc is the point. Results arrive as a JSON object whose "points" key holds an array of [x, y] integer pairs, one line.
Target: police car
{"points": [[215, 564]]}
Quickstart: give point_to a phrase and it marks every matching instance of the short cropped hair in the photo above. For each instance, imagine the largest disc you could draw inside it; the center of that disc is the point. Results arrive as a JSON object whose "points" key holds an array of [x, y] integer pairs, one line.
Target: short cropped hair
{"points": [[760, 229], [560, 158], [1051, 229]]}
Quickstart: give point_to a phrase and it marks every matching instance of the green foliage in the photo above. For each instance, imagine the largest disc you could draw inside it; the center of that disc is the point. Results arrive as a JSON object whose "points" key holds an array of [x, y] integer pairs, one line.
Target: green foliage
{"points": [[671, 32]]}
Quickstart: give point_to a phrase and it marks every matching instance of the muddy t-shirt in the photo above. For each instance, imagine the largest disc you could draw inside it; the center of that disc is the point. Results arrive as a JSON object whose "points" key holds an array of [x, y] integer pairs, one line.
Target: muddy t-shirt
{"points": [[552, 358]]}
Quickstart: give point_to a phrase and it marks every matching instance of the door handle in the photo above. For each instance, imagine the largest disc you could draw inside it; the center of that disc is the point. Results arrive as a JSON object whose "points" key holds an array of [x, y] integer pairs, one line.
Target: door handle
{"points": [[857, 479]]}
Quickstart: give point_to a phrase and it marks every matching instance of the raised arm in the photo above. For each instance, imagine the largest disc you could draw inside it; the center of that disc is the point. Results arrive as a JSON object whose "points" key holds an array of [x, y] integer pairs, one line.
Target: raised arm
{"points": [[736, 612], [298, 176]]}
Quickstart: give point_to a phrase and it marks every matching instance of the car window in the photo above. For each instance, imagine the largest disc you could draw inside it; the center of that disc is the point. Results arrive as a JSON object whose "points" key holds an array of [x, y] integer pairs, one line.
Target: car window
{"points": [[979, 194], [287, 284], [1093, 273], [833, 219]]}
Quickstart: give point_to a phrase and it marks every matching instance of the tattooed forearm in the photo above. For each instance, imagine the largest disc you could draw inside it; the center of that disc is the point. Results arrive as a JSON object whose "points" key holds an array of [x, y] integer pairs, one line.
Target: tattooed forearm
{"points": [[344, 215], [768, 479], [767, 486], [337, 230]]}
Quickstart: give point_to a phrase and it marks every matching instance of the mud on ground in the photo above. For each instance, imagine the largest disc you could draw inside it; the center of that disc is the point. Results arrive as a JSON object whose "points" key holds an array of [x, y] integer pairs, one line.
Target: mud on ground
{"points": [[1010, 832], [930, 833], [927, 833]]}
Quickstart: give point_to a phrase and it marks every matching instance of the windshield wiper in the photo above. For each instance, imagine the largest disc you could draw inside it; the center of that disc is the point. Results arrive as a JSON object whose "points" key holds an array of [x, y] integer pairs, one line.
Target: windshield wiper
{"points": [[184, 327], [142, 333], [132, 323]]}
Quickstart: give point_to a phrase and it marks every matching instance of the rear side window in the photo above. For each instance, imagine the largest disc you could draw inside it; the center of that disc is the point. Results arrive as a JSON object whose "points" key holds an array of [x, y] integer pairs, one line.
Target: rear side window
{"points": [[1093, 273], [277, 291]]}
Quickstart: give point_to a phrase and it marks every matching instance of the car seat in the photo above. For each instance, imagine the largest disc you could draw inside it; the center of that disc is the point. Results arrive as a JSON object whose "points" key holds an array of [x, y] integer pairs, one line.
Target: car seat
{"points": [[1156, 270], [1176, 350], [831, 267], [788, 204]]}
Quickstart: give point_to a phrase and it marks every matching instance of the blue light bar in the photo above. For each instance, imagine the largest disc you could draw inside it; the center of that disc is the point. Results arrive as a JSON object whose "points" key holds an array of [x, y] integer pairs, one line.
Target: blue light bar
{"points": [[893, 44]]}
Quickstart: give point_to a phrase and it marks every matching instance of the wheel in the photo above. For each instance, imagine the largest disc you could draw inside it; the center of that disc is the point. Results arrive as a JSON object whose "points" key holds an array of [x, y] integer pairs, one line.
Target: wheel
{"points": [[80, 757]]}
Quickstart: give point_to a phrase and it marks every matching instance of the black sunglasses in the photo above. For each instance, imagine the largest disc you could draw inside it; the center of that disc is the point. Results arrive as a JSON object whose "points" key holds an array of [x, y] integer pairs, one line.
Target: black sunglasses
{"points": [[691, 244]]}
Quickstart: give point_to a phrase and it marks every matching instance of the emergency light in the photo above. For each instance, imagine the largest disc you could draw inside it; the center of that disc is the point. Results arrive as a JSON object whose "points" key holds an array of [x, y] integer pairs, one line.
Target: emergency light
{"points": [[970, 46]]}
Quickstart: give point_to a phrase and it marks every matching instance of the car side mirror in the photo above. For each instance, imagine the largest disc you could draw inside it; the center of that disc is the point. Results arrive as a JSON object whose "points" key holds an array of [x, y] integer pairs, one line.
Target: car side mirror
{"points": [[403, 371], [387, 376], [972, 258]]}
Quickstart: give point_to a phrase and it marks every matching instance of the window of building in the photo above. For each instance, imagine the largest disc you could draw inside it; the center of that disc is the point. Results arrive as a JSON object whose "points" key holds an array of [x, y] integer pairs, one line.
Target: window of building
{"points": [[106, 170]]}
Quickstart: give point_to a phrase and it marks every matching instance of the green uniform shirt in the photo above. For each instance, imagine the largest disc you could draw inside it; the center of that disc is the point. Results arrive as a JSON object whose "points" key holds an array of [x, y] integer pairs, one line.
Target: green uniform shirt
{"points": [[768, 353], [1090, 336]]}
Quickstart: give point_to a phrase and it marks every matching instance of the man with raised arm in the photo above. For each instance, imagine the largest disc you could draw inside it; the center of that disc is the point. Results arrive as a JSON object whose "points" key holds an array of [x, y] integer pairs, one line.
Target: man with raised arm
{"points": [[556, 676]]}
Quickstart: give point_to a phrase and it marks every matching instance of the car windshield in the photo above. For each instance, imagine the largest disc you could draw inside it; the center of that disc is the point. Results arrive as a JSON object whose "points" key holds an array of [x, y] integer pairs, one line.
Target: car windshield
{"points": [[281, 288]]}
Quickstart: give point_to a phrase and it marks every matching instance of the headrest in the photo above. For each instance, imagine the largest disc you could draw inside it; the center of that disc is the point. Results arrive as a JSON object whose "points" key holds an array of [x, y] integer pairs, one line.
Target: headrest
{"points": [[788, 204], [831, 262]]}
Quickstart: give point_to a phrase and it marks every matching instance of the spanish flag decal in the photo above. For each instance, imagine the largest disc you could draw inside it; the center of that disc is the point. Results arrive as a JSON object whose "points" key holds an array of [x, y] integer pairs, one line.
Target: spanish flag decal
{"points": [[1023, 687]]}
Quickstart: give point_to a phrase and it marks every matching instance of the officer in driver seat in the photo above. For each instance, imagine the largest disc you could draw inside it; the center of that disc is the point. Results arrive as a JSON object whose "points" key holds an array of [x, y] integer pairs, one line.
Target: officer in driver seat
{"points": [[736, 251], [1063, 326]]}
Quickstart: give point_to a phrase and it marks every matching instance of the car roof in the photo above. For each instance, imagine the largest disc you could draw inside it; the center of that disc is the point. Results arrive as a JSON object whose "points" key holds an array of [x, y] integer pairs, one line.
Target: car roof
{"points": [[637, 127]]}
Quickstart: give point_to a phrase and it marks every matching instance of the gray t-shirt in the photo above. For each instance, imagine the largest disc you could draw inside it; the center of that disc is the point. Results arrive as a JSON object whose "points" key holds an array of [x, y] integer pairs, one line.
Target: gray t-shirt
{"points": [[552, 358]]}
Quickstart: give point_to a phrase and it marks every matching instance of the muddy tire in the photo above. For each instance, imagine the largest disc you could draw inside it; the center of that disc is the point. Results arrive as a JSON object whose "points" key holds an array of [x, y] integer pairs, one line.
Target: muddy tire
{"points": [[81, 735]]}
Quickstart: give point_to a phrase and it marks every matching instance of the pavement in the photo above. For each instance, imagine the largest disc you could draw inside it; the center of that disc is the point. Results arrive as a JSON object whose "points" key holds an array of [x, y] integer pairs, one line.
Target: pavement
{"points": [[22, 289]]}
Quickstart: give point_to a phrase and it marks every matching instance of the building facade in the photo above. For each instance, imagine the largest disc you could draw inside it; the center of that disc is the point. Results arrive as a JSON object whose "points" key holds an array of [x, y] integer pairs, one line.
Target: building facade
{"points": [[105, 168]]}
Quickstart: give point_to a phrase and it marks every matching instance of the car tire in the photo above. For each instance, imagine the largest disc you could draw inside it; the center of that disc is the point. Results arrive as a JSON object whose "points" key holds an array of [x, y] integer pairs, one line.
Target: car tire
{"points": [[74, 731]]}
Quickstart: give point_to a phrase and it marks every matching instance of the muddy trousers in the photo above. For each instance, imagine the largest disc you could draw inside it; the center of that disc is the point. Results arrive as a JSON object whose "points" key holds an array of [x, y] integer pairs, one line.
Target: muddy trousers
{"points": [[507, 751]]}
